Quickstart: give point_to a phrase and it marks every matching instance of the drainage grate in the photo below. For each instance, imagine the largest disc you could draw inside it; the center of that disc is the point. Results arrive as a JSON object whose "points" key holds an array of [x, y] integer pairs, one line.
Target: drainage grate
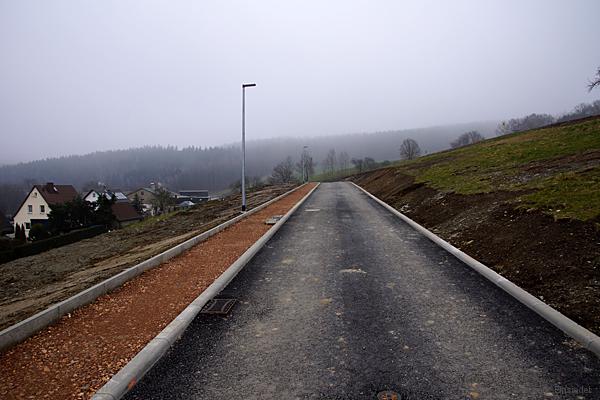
{"points": [[218, 306], [388, 395]]}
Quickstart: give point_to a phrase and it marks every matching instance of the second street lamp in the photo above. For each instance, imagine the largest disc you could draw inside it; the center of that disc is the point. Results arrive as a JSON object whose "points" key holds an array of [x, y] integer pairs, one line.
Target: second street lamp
{"points": [[244, 86]]}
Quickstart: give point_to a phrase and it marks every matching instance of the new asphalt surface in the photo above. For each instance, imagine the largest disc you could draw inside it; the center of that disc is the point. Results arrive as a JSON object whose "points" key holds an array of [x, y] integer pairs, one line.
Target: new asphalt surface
{"points": [[346, 301]]}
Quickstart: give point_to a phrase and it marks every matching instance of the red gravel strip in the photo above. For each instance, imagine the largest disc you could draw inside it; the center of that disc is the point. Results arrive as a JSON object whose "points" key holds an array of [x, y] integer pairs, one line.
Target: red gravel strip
{"points": [[76, 356]]}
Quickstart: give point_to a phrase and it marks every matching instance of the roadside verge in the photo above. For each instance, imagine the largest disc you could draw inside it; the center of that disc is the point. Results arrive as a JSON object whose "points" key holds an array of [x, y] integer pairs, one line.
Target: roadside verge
{"points": [[585, 337], [24, 329]]}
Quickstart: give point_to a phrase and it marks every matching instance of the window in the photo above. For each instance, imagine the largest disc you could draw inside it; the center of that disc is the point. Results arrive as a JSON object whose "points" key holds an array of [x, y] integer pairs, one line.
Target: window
{"points": [[42, 209], [29, 208], [27, 225]]}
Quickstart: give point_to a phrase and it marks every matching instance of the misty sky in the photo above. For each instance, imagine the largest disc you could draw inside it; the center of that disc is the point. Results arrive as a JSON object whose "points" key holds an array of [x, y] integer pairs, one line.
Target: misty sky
{"points": [[79, 76]]}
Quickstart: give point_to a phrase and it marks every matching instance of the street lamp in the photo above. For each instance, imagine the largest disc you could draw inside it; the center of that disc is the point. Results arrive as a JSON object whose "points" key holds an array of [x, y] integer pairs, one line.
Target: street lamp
{"points": [[244, 86], [304, 155]]}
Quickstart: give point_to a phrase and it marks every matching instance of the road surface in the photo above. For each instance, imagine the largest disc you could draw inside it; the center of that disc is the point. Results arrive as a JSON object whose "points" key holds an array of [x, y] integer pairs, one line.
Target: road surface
{"points": [[347, 301]]}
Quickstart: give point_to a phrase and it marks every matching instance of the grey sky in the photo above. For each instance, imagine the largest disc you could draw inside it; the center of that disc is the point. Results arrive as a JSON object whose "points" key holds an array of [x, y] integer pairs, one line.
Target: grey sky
{"points": [[79, 76]]}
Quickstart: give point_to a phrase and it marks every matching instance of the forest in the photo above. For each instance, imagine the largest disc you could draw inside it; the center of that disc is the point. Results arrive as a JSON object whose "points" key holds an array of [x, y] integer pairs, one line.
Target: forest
{"points": [[218, 168]]}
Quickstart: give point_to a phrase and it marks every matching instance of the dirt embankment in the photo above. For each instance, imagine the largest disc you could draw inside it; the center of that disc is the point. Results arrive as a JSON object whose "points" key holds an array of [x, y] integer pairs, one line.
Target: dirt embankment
{"points": [[31, 284], [555, 260]]}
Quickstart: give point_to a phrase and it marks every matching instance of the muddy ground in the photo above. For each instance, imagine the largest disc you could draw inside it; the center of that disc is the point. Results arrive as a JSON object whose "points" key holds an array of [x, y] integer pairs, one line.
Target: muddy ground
{"points": [[556, 260], [31, 284]]}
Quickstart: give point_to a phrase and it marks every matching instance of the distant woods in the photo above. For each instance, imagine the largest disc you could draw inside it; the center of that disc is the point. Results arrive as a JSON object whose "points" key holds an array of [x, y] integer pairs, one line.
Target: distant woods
{"points": [[466, 139], [533, 121]]}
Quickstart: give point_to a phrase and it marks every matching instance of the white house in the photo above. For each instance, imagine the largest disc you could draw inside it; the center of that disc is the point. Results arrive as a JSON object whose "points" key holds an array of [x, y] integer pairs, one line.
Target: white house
{"points": [[38, 204]]}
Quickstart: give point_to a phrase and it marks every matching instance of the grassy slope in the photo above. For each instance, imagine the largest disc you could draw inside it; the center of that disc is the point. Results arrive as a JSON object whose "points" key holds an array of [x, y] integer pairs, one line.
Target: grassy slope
{"points": [[553, 168]]}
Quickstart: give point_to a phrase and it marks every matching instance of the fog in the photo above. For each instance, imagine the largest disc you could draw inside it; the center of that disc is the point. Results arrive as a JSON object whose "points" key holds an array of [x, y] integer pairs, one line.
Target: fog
{"points": [[81, 76]]}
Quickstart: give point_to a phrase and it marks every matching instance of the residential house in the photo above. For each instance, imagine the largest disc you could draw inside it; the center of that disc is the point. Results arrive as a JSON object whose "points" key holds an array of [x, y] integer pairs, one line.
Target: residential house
{"points": [[125, 214], [38, 204], [92, 196], [146, 196]]}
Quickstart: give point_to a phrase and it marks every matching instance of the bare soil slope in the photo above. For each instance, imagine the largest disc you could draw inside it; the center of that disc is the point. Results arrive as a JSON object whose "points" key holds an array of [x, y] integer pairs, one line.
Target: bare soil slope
{"points": [[526, 205], [31, 284]]}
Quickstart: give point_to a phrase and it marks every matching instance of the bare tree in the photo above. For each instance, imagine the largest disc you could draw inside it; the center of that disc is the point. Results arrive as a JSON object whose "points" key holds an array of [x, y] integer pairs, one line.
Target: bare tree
{"points": [[343, 161], [283, 172], [595, 81], [466, 139], [306, 166], [358, 164], [329, 162], [409, 150]]}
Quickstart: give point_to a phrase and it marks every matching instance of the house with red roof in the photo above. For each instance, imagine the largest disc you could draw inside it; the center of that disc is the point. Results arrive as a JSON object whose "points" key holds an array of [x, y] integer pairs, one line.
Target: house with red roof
{"points": [[38, 204]]}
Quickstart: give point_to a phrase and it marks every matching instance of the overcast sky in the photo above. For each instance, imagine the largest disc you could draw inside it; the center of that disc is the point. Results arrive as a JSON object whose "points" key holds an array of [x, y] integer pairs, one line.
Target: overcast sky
{"points": [[79, 76]]}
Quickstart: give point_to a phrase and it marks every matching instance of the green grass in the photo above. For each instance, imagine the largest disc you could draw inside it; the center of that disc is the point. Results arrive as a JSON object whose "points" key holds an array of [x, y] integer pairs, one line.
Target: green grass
{"points": [[574, 195], [522, 162]]}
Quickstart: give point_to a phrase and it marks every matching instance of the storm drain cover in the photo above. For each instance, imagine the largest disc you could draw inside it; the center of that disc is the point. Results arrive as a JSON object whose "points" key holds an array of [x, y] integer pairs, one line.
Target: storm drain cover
{"points": [[388, 395], [218, 306]]}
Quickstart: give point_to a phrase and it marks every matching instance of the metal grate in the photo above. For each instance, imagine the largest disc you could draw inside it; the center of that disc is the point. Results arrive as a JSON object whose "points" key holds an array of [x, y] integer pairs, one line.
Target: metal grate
{"points": [[388, 395], [218, 306]]}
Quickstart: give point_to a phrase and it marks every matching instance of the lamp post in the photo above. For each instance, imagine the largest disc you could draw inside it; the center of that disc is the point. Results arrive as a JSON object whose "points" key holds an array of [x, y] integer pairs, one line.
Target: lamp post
{"points": [[244, 86], [304, 155]]}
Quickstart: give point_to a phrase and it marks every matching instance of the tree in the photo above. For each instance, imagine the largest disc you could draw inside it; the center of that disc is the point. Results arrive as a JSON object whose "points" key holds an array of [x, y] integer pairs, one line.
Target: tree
{"points": [[595, 81], [17, 232], [358, 164], [162, 198], [409, 150], [369, 164], [38, 232], [283, 172], [22, 235], [343, 161], [137, 204], [466, 139], [329, 162], [305, 167], [531, 121], [104, 214]]}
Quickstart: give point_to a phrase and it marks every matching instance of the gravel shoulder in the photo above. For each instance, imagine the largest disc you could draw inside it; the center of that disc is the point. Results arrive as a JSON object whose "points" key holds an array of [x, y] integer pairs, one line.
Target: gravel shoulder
{"points": [[76, 356], [31, 284]]}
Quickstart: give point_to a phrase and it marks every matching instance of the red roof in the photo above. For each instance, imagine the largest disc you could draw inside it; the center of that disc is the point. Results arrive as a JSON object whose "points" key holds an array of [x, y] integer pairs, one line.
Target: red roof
{"points": [[56, 194], [125, 212]]}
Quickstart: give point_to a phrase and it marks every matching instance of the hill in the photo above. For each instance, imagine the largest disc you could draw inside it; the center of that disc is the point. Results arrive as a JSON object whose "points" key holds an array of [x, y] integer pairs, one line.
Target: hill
{"points": [[214, 168], [525, 204]]}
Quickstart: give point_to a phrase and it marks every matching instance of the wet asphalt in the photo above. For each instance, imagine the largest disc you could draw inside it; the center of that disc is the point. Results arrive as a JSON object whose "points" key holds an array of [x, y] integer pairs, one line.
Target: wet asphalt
{"points": [[346, 301]]}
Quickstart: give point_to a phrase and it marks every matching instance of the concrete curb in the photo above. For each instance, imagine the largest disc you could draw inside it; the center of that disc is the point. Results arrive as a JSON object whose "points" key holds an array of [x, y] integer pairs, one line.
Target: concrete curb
{"points": [[134, 370], [22, 330], [588, 339]]}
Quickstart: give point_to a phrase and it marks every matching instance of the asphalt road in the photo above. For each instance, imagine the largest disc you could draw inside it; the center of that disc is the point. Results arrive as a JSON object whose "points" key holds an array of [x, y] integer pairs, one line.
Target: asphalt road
{"points": [[347, 301]]}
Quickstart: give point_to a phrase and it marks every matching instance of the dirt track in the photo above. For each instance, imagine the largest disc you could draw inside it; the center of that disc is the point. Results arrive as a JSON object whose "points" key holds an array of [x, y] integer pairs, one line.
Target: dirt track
{"points": [[31, 284]]}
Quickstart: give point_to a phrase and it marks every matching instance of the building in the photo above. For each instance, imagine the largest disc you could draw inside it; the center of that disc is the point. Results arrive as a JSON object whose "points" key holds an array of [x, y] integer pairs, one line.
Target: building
{"points": [[92, 196], [125, 214], [38, 204], [195, 196], [146, 196]]}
